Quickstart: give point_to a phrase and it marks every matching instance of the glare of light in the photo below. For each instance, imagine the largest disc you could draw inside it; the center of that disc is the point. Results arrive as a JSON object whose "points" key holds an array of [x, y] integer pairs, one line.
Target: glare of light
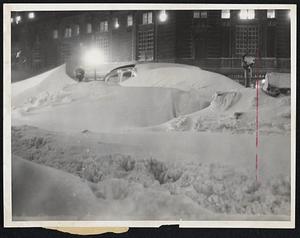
{"points": [[163, 16], [263, 81], [18, 19], [270, 13], [289, 14], [251, 14], [93, 57], [117, 25], [225, 14], [247, 14], [31, 15], [243, 14], [11, 20]]}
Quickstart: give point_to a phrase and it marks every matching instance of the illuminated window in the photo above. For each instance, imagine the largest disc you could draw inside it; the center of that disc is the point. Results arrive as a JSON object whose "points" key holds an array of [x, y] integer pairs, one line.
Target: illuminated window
{"points": [[104, 26], [147, 18], [129, 20], [196, 14], [77, 30], [116, 23], [89, 28], [55, 34], [225, 14], [68, 32], [270, 13], [247, 14]]}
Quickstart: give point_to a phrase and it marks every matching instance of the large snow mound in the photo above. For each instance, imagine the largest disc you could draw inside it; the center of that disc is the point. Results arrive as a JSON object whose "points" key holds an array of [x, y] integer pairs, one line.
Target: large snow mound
{"points": [[40, 192], [47, 83], [109, 108], [182, 77], [23, 85]]}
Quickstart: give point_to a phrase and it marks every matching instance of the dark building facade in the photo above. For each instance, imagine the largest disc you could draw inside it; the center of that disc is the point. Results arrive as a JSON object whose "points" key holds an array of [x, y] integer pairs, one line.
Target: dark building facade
{"points": [[211, 39]]}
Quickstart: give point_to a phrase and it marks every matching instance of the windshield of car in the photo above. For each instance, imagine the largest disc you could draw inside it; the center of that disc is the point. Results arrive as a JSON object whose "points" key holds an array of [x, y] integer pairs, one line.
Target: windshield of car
{"points": [[112, 77]]}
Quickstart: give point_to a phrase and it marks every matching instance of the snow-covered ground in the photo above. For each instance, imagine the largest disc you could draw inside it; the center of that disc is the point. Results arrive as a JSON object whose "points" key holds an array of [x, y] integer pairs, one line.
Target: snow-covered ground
{"points": [[175, 142]]}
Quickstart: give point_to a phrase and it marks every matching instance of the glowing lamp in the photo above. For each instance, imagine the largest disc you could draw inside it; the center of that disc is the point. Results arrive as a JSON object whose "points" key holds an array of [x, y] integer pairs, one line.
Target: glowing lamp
{"points": [[18, 19], [163, 16], [93, 57], [31, 15]]}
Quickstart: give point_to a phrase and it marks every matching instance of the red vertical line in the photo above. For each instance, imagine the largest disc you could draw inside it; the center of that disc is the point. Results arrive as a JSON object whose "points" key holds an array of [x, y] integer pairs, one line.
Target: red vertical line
{"points": [[256, 158], [257, 128]]}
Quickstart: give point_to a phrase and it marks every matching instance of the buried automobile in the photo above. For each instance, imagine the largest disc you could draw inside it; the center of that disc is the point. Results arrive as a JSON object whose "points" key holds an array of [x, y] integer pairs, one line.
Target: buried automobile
{"points": [[275, 84]]}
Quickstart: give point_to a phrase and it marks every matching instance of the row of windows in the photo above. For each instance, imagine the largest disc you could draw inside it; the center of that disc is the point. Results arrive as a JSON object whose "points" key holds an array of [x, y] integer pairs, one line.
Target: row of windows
{"points": [[146, 19], [103, 27], [244, 14]]}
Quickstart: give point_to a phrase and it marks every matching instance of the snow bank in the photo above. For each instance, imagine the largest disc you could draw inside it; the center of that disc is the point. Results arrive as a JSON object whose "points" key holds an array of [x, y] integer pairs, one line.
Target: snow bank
{"points": [[40, 87], [134, 186], [182, 77], [42, 192], [235, 112], [23, 85], [110, 108]]}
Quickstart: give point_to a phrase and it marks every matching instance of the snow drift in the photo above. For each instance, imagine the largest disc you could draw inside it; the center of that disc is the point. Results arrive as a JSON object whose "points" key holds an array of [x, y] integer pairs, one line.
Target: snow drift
{"points": [[179, 76], [40, 86], [113, 147], [118, 182]]}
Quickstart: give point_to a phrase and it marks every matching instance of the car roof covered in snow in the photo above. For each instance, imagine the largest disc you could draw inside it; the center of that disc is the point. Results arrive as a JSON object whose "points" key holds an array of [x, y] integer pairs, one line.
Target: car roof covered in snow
{"points": [[124, 67]]}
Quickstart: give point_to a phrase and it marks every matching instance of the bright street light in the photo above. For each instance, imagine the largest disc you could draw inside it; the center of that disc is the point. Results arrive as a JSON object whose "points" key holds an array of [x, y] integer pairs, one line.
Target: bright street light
{"points": [[163, 16], [31, 15], [92, 58], [117, 25], [18, 19]]}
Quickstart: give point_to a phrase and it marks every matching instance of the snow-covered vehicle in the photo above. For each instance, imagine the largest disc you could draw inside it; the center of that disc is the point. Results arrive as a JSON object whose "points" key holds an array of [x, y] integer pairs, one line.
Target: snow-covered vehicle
{"points": [[120, 74], [275, 84]]}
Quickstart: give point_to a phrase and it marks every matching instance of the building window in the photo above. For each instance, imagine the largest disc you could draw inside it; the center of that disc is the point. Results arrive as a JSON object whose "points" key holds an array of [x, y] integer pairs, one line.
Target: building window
{"points": [[247, 14], [116, 23], [104, 26], [146, 45], [225, 14], [147, 18], [246, 39], [55, 34], [77, 30], [196, 14], [129, 20], [68, 32], [102, 43], [203, 14], [89, 28], [200, 14], [270, 13]]}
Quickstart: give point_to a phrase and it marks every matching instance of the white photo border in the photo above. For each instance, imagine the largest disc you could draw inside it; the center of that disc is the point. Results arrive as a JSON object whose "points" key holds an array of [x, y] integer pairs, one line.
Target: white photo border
{"points": [[7, 193]]}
